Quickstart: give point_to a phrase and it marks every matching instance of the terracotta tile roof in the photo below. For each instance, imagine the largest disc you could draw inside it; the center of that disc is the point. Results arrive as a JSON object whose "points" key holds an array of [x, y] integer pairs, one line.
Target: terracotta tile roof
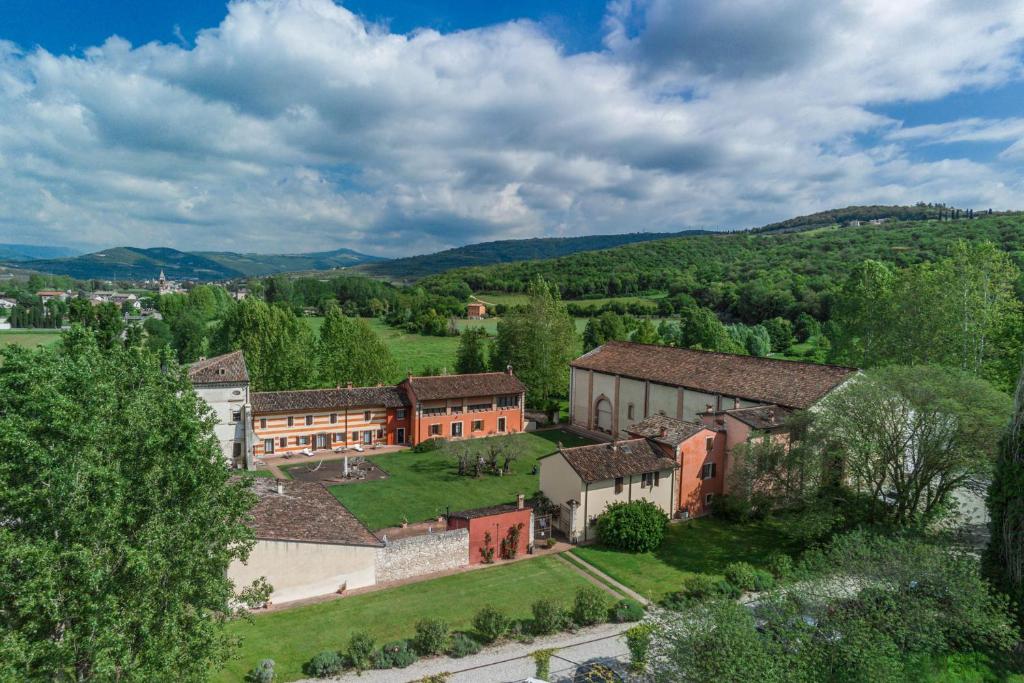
{"points": [[793, 384], [305, 512], [492, 510], [761, 417], [464, 386], [602, 461], [227, 369], [326, 399], [676, 431]]}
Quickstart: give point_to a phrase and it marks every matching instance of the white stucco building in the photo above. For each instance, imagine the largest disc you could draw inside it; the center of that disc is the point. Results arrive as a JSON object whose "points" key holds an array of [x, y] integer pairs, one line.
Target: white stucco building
{"points": [[223, 382]]}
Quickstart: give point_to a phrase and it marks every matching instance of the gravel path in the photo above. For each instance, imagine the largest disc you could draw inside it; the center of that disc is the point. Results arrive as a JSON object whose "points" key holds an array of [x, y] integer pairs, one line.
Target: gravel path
{"points": [[512, 661]]}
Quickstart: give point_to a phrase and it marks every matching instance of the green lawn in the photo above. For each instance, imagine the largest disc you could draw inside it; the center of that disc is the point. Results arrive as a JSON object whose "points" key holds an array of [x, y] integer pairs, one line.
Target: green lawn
{"points": [[422, 486], [700, 546], [294, 636], [29, 338]]}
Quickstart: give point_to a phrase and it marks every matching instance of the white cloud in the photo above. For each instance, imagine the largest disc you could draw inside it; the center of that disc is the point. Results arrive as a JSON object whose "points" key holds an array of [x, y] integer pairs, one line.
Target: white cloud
{"points": [[295, 125]]}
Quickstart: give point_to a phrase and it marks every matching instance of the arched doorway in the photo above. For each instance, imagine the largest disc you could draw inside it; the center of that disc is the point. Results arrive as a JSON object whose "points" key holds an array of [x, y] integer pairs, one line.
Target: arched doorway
{"points": [[603, 414]]}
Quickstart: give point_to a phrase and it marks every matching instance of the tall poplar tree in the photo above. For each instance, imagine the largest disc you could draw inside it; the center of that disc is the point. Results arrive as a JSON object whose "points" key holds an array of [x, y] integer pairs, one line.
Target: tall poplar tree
{"points": [[472, 354], [539, 340], [349, 351]]}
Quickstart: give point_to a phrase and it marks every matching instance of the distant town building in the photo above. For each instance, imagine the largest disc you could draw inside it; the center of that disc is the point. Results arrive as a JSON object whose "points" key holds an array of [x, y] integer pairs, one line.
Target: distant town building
{"points": [[476, 310], [50, 294], [6, 303]]}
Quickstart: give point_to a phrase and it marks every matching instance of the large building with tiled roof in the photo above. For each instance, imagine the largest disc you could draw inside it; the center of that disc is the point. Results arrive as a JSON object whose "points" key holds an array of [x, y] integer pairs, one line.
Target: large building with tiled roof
{"points": [[620, 383]]}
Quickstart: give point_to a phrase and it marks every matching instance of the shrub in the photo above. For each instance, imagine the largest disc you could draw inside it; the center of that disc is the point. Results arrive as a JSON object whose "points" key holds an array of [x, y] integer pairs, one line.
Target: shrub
{"points": [[626, 610], [463, 646], [638, 640], [325, 665], [542, 658], [550, 543], [263, 673], [433, 444], [490, 624], [763, 580], [638, 526], [431, 636], [742, 575], [436, 678], [731, 508], [395, 655], [548, 617], [590, 606], [780, 565], [360, 650]]}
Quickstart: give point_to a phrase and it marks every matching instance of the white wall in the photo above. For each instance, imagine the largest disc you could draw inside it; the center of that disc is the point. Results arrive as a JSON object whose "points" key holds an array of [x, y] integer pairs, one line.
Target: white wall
{"points": [[305, 570], [560, 484], [601, 494], [224, 399]]}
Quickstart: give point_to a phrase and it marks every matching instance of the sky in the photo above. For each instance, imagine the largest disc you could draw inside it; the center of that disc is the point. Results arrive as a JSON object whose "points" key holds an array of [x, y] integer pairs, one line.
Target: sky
{"points": [[395, 127]]}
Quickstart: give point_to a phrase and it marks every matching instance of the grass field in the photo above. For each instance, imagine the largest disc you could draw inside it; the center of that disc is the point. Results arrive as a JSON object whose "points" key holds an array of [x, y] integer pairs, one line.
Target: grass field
{"points": [[29, 338], [700, 546], [294, 636], [423, 485]]}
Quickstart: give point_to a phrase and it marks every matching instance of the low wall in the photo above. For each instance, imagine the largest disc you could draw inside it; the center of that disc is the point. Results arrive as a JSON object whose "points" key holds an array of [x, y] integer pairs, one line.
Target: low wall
{"points": [[425, 554]]}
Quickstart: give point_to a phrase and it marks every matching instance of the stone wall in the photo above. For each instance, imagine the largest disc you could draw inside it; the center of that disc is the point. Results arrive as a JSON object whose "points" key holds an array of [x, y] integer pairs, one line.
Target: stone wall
{"points": [[426, 554]]}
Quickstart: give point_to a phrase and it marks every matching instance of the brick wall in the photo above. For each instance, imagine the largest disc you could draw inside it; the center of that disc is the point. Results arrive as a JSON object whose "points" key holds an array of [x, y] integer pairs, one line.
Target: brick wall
{"points": [[426, 554]]}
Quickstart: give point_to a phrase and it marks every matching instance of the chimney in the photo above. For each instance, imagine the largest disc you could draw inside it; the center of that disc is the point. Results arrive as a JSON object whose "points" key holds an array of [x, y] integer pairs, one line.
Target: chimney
{"points": [[348, 385], [771, 415], [663, 432], [280, 489], [508, 369], [735, 403], [520, 501], [710, 408]]}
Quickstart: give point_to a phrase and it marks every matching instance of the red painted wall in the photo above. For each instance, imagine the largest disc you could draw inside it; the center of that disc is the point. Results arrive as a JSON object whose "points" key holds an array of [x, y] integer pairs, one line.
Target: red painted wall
{"points": [[513, 423], [498, 525], [692, 455]]}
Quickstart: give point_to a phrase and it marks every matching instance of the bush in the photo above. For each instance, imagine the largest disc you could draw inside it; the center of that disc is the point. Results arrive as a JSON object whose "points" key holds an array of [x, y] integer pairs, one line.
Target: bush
{"points": [[431, 636], [360, 650], [396, 655], [542, 658], [550, 543], [548, 617], [325, 665], [590, 606], [490, 624], [780, 565], [638, 640], [263, 673], [463, 646], [731, 508], [742, 575], [638, 526], [763, 580], [434, 444], [626, 610]]}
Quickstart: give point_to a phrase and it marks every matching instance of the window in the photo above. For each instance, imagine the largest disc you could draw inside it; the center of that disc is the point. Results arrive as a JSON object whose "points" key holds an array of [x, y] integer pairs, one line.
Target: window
{"points": [[400, 413], [657, 478], [618, 485], [435, 430], [707, 471], [629, 411], [291, 421], [263, 423], [302, 440], [707, 499], [480, 406], [456, 429], [456, 410], [478, 425], [647, 479], [709, 443], [309, 420], [338, 437], [380, 433], [268, 446], [367, 415], [355, 436], [435, 411], [400, 435], [508, 401], [284, 441], [236, 415], [334, 418], [501, 424]]}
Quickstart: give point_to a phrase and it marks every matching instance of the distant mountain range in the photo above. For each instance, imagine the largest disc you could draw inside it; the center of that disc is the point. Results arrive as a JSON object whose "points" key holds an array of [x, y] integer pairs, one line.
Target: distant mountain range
{"points": [[26, 252], [131, 263], [505, 251]]}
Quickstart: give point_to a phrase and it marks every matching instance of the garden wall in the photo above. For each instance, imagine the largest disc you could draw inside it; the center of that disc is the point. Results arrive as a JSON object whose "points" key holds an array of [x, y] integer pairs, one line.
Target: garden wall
{"points": [[426, 554]]}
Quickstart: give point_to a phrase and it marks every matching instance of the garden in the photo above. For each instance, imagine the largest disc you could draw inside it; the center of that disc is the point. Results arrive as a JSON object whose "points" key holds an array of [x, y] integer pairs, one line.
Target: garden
{"points": [[422, 486]]}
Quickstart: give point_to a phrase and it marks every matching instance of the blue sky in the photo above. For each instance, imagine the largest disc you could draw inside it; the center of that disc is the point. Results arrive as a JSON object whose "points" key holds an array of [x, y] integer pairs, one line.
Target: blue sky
{"points": [[396, 127]]}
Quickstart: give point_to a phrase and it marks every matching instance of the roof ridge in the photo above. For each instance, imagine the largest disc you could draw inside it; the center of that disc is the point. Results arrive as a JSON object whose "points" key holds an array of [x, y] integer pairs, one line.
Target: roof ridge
{"points": [[604, 443], [298, 391], [792, 361]]}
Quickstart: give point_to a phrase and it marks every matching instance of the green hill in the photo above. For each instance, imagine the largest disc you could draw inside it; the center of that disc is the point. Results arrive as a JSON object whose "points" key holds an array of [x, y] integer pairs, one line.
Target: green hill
{"points": [[27, 252], [131, 263], [749, 276], [505, 251]]}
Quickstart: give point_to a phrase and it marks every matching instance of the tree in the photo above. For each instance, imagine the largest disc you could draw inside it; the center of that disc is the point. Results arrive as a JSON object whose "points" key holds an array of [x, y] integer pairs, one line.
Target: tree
{"points": [[158, 334], [349, 351], [607, 327], [538, 340], [1004, 555], [913, 436], [112, 567], [472, 354], [700, 328], [189, 335], [645, 333], [280, 351], [780, 331], [638, 526], [806, 327], [107, 324]]}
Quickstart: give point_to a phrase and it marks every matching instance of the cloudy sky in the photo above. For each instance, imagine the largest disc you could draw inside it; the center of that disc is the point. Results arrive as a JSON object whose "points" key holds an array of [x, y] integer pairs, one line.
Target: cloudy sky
{"points": [[396, 126]]}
